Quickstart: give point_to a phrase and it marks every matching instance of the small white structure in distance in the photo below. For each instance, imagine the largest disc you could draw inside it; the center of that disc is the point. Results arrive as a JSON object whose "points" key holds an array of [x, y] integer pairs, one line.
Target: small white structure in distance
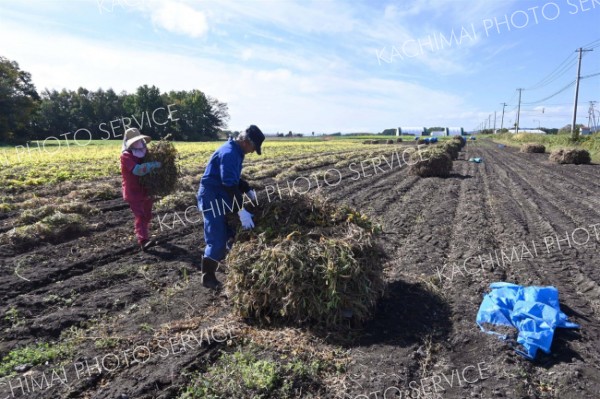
{"points": [[438, 133], [454, 131], [534, 131], [411, 131]]}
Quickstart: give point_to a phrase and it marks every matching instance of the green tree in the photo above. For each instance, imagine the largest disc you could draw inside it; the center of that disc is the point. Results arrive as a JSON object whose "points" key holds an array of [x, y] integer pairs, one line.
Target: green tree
{"points": [[198, 117], [145, 102], [18, 102], [53, 117]]}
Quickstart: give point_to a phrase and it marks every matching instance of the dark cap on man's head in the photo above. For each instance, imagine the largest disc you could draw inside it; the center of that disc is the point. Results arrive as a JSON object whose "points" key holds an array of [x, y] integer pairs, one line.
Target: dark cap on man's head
{"points": [[256, 136]]}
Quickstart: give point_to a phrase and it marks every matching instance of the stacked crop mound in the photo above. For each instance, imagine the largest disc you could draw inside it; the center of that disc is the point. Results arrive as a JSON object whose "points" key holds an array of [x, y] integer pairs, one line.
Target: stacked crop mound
{"points": [[390, 142], [533, 148], [461, 140], [570, 156], [368, 142], [431, 162], [163, 181], [422, 141], [452, 147], [306, 263], [398, 140]]}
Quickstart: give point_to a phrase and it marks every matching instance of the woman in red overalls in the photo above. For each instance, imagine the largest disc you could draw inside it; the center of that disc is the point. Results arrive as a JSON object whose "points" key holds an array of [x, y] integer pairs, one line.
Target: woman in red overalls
{"points": [[132, 167]]}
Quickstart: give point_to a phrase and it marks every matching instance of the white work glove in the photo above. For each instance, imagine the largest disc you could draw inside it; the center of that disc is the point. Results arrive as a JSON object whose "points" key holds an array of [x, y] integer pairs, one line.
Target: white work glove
{"points": [[252, 195], [246, 219]]}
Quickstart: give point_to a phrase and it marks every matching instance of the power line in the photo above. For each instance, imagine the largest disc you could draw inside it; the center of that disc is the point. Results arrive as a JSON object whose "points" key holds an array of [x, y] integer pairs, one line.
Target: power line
{"points": [[590, 76], [558, 72], [552, 95]]}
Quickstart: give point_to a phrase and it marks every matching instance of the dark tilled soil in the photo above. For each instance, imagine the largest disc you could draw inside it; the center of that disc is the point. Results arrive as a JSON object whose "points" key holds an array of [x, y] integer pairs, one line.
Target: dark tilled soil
{"points": [[423, 340]]}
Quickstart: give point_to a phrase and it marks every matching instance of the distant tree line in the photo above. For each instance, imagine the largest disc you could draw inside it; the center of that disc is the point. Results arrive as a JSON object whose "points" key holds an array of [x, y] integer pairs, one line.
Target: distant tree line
{"points": [[26, 114]]}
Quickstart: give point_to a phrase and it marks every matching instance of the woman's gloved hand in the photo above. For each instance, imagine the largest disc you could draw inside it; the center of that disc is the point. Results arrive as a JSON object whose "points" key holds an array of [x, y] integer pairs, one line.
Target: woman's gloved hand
{"points": [[246, 219], [145, 168]]}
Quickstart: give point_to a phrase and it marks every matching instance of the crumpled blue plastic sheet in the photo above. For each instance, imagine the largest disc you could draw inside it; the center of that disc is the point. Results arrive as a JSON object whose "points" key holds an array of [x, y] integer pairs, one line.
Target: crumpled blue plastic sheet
{"points": [[476, 160], [533, 311]]}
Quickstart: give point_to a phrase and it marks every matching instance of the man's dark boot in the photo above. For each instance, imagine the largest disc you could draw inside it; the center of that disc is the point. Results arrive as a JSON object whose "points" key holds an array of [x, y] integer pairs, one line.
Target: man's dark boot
{"points": [[209, 267]]}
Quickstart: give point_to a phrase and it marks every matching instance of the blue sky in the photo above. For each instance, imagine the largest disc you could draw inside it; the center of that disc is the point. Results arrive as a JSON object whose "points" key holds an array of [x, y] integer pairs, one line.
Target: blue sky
{"points": [[322, 66]]}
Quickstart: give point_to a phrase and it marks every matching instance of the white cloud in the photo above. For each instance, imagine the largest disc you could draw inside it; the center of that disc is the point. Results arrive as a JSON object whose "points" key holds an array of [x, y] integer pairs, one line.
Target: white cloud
{"points": [[246, 54], [276, 99], [179, 18]]}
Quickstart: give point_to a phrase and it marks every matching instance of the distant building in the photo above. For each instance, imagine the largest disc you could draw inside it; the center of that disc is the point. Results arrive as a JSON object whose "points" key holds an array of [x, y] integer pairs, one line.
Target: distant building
{"points": [[535, 131], [411, 131]]}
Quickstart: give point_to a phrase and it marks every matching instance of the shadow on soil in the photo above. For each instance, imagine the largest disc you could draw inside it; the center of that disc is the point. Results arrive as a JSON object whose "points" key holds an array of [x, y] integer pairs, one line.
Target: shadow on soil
{"points": [[459, 177], [561, 350], [406, 315]]}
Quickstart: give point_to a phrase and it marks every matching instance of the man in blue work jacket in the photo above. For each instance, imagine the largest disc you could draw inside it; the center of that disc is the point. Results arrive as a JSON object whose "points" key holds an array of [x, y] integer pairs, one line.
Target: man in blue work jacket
{"points": [[221, 192]]}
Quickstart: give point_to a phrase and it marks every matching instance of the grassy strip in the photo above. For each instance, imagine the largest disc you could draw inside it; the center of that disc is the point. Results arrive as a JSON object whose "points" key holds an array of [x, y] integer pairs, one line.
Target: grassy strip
{"points": [[253, 372], [554, 141], [32, 355]]}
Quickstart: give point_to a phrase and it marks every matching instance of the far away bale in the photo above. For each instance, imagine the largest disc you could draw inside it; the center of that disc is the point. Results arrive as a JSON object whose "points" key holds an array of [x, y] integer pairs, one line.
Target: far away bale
{"points": [[422, 141], [570, 156], [306, 263], [533, 148], [398, 140], [431, 162], [163, 181], [452, 147], [390, 142], [368, 142], [461, 140]]}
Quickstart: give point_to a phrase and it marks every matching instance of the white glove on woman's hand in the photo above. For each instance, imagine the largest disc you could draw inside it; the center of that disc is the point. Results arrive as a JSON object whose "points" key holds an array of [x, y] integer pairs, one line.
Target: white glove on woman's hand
{"points": [[246, 219], [252, 195]]}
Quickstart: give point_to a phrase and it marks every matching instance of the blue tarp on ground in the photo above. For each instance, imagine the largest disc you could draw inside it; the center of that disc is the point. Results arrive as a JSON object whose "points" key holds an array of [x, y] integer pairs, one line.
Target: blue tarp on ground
{"points": [[534, 311]]}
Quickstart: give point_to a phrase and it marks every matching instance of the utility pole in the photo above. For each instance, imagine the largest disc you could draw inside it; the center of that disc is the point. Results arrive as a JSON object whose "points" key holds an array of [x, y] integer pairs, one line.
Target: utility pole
{"points": [[489, 121], [502, 122], [574, 132], [494, 122], [518, 112], [592, 117]]}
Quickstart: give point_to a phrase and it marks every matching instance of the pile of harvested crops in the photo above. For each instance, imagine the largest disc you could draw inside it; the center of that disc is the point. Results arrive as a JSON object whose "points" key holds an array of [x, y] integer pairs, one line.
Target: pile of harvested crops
{"points": [[533, 148], [452, 148], [398, 140], [422, 141], [56, 227], [390, 142], [162, 181], [461, 140], [368, 142], [570, 156], [431, 162], [306, 263]]}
